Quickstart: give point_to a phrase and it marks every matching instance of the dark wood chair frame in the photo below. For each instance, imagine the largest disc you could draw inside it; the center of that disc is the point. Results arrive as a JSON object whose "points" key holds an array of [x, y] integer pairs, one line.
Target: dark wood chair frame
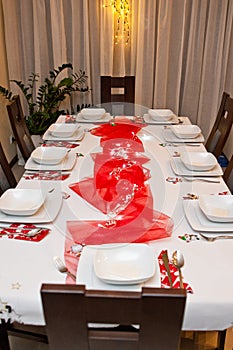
{"points": [[222, 126], [19, 127], [69, 310], [109, 97], [6, 169]]}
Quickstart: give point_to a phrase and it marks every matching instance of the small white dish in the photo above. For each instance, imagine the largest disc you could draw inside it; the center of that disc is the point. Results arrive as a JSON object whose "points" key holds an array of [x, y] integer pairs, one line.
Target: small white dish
{"points": [[93, 113], [169, 136], [186, 131], [63, 129], [22, 202], [66, 164], [49, 155], [125, 264], [198, 161], [217, 208], [172, 121], [160, 114], [103, 119]]}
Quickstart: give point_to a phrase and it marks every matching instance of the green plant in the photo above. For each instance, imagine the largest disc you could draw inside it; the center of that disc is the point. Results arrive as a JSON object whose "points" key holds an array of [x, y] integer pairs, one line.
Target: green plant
{"points": [[43, 105]]}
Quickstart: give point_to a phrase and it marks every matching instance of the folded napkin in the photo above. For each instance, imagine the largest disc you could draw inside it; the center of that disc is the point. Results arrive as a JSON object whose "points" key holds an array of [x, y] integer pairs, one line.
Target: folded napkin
{"points": [[24, 232], [48, 175], [174, 275], [67, 144]]}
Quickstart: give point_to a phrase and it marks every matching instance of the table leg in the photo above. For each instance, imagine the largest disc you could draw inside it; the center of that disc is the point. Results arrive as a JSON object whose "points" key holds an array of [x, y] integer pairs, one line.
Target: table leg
{"points": [[4, 341]]}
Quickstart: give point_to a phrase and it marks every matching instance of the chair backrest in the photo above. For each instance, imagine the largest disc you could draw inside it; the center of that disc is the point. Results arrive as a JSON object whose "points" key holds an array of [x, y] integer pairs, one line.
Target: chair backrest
{"points": [[19, 128], [222, 126], [9, 179], [228, 174], [72, 314], [118, 91]]}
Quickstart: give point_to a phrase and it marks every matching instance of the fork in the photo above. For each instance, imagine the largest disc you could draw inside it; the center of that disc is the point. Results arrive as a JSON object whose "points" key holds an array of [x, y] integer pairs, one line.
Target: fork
{"points": [[191, 179], [212, 239], [62, 267]]}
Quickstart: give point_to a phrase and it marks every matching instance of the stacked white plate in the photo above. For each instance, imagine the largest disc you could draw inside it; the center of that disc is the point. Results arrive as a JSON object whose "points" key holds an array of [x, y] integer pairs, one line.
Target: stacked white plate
{"points": [[63, 129], [49, 155], [198, 161]]}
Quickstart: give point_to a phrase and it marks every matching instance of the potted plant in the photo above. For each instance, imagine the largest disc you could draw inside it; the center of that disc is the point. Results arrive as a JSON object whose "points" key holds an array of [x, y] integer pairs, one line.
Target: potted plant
{"points": [[43, 105]]}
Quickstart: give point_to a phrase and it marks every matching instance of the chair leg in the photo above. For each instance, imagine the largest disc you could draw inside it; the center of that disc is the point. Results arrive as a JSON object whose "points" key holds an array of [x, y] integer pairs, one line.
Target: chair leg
{"points": [[4, 341], [221, 340]]}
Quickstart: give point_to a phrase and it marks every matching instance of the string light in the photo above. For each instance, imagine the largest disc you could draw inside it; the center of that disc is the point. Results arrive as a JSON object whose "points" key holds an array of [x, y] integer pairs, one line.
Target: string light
{"points": [[121, 11]]}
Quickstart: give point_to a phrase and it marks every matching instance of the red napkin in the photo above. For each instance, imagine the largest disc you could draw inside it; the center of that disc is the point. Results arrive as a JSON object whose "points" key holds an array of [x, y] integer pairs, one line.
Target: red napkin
{"points": [[66, 144], [174, 275], [10, 232], [49, 175]]}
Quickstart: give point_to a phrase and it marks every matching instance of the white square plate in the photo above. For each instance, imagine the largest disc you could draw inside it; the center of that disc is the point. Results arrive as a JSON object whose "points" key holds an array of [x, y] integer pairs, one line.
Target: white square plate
{"points": [[217, 208], [77, 135], [49, 155], [186, 131], [199, 222], [148, 120], [66, 164], [169, 136], [105, 119], [21, 201], [63, 130], [180, 169], [86, 274], [47, 212], [125, 264]]}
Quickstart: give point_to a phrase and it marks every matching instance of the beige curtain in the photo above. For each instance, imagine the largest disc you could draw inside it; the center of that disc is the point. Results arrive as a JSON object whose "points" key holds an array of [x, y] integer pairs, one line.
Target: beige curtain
{"points": [[181, 51]]}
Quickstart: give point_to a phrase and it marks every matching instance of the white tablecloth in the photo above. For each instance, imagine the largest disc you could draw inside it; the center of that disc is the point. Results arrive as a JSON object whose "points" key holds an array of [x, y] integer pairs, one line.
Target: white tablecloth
{"points": [[26, 265]]}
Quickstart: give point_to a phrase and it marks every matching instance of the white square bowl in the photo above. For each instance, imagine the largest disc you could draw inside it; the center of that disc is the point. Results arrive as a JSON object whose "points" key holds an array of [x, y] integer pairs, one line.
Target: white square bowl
{"points": [[62, 129], [125, 263], [49, 155], [21, 202], [217, 208], [160, 114], [198, 161], [186, 131], [93, 113]]}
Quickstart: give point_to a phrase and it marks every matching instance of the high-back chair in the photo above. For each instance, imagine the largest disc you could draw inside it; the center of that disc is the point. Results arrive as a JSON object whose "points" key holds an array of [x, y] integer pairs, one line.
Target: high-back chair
{"points": [[118, 91], [72, 314], [19, 128], [9, 179], [228, 174], [222, 126]]}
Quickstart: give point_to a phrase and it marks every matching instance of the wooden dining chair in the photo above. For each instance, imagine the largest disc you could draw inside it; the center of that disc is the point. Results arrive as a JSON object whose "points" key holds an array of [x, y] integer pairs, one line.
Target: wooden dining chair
{"points": [[116, 92], [19, 128], [77, 318], [222, 126], [228, 174], [7, 179]]}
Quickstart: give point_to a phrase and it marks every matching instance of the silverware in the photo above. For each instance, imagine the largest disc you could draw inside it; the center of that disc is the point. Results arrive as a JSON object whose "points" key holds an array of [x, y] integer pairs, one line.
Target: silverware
{"points": [[166, 264], [178, 262], [62, 267], [192, 179], [212, 239]]}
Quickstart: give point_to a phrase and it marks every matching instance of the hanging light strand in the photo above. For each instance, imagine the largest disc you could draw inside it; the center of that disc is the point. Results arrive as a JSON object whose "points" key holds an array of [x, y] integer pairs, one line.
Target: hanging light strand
{"points": [[121, 10]]}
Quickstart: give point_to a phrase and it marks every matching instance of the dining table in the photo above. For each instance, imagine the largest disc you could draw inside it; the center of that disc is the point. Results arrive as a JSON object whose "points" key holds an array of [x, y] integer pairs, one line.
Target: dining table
{"points": [[28, 262]]}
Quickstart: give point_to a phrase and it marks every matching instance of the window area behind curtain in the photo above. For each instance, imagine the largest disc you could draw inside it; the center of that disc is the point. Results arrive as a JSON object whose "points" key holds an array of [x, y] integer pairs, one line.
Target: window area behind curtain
{"points": [[180, 51]]}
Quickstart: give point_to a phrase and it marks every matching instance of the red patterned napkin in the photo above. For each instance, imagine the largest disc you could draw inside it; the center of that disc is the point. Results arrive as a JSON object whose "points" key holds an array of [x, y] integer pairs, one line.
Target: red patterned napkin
{"points": [[48, 175], [22, 232], [174, 275], [66, 144]]}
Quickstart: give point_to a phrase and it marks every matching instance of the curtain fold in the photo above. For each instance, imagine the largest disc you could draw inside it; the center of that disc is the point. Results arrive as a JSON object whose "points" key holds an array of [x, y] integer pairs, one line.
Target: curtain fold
{"points": [[180, 51]]}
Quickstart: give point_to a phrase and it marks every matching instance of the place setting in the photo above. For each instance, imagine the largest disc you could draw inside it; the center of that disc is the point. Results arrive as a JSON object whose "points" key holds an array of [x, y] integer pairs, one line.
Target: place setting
{"points": [[195, 165], [161, 117], [183, 134], [30, 205], [212, 214], [64, 132], [93, 115], [51, 159]]}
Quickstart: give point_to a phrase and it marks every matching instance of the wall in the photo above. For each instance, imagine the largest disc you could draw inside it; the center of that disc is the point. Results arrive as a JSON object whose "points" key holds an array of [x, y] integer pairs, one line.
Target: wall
{"points": [[5, 129]]}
